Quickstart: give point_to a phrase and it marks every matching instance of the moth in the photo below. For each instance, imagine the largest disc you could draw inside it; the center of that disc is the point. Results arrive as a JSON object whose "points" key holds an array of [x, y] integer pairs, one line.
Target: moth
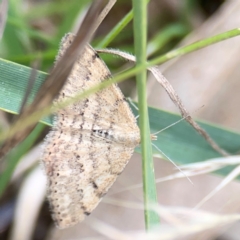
{"points": [[90, 143]]}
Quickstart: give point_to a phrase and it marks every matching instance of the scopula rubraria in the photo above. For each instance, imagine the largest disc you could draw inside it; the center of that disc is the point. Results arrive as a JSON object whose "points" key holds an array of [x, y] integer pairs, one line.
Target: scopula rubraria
{"points": [[90, 143]]}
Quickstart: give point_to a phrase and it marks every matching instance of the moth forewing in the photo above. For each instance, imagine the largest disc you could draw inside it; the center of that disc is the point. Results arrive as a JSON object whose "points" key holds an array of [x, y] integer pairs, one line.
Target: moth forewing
{"points": [[90, 143]]}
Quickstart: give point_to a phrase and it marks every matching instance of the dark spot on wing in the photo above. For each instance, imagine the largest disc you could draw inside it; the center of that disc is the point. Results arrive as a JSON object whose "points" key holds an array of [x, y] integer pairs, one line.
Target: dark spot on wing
{"points": [[94, 185], [95, 56]]}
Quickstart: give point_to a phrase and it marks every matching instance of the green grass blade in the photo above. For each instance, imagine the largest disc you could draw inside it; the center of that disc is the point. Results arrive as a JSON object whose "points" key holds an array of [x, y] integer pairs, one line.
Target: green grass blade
{"points": [[140, 42], [195, 46], [13, 84], [183, 144], [115, 31]]}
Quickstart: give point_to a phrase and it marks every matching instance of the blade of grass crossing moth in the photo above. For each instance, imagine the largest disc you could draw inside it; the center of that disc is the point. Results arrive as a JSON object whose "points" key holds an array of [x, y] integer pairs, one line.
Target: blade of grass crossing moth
{"points": [[65, 64], [54, 82], [140, 42]]}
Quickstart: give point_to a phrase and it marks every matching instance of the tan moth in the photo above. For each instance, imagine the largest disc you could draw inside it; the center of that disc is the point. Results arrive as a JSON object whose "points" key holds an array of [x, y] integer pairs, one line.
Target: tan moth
{"points": [[90, 143]]}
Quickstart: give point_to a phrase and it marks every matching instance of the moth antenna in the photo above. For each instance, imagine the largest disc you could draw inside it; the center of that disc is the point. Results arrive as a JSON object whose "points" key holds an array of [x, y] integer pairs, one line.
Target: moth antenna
{"points": [[173, 163]]}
